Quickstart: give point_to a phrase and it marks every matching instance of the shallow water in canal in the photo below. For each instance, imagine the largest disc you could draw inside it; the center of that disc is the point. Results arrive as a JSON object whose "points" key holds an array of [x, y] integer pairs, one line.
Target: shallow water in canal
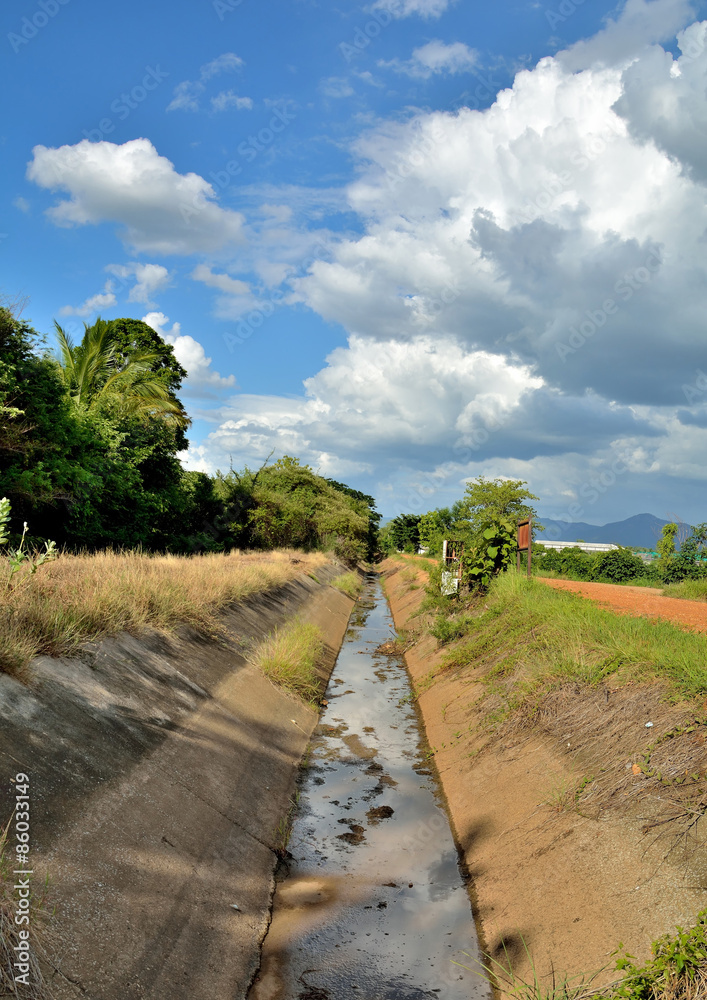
{"points": [[372, 903]]}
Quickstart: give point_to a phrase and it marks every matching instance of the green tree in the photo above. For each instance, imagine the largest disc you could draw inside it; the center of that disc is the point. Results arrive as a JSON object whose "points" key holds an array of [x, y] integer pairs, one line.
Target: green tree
{"points": [[496, 500], [666, 542], [435, 526], [287, 504], [402, 534], [366, 506], [687, 564], [41, 441], [102, 375]]}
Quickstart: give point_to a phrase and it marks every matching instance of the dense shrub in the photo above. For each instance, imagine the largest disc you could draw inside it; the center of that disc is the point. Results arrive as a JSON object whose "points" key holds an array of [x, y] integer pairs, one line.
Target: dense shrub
{"points": [[617, 565], [492, 552], [575, 562]]}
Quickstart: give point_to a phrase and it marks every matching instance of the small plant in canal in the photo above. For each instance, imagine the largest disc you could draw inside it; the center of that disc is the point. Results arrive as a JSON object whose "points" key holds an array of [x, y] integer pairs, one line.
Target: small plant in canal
{"points": [[502, 977], [283, 830]]}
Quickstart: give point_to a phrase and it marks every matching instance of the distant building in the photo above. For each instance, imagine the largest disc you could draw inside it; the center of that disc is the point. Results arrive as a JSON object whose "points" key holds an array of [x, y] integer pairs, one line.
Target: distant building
{"points": [[584, 546]]}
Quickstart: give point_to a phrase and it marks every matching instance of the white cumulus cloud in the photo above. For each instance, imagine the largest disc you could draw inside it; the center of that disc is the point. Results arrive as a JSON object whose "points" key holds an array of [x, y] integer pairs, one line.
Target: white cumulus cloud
{"points": [[93, 304], [149, 280], [202, 381], [436, 57], [407, 8], [160, 210], [556, 236], [426, 401], [640, 23], [223, 282]]}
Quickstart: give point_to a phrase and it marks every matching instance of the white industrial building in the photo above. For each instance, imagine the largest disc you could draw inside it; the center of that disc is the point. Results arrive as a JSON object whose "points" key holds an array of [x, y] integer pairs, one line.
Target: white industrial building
{"points": [[591, 547]]}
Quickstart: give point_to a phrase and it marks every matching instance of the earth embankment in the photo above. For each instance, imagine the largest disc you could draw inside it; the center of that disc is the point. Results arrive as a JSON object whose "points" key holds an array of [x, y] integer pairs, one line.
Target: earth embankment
{"points": [[161, 774], [570, 884]]}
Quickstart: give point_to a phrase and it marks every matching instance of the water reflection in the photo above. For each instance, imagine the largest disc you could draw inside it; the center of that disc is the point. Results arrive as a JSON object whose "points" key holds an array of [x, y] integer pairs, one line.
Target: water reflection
{"points": [[373, 904]]}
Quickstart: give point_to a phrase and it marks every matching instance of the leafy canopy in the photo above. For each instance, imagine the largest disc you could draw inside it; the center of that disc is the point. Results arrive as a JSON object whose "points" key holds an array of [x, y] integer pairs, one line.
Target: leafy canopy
{"points": [[104, 374], [496, 500]]}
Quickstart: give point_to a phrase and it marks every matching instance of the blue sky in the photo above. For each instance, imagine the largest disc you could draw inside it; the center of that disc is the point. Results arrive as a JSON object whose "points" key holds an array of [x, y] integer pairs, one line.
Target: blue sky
{"points": [[412, 241]]}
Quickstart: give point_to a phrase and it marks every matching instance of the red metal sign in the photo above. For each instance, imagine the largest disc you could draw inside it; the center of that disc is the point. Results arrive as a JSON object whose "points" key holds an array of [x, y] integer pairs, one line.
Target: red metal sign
{"points": [[524, 535]]}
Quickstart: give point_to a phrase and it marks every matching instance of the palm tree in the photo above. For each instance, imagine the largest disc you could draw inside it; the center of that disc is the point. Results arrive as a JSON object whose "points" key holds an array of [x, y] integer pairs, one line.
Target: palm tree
{"points": [[98, 378]]}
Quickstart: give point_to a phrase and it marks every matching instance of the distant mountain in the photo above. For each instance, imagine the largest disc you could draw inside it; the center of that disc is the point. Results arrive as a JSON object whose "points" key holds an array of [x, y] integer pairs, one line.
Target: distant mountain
{"points": [[641, 531]]}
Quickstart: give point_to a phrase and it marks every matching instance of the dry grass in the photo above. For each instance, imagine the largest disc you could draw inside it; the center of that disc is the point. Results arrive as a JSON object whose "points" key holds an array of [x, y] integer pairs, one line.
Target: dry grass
{"points": [[9, 938], [349, 584], [289, 658], [87, 597]]}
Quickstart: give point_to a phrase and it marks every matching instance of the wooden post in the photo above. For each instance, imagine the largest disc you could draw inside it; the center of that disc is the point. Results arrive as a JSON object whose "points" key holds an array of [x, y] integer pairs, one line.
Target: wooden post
{"points": [[530, 543]]}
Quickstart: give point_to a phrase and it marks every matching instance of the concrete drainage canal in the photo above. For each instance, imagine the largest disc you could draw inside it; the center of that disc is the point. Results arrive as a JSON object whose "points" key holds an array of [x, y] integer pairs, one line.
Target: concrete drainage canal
{"points": [[372, 902]]}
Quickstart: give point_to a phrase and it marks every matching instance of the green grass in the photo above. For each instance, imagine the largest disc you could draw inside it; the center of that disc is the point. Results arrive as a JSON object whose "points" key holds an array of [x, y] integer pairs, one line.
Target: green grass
{"points": [[349, 584], [422, 562], [689, 590], [289, 657], [543, 638]]}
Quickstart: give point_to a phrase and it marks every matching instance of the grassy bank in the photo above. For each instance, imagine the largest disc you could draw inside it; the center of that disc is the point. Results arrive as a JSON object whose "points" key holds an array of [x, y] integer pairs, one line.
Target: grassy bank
{"points": [[607, 717], [539, 638], [87, 597]]}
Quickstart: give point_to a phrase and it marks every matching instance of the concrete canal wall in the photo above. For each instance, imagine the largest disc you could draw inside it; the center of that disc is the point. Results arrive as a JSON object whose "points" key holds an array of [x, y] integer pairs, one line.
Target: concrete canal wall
{"points": [[161, 771]]}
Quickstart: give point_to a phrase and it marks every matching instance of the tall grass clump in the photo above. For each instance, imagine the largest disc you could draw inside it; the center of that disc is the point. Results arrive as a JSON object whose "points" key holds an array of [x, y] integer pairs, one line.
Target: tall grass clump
{"points": [[349, 584], [289, 658], [689, 590], [79, 598]]}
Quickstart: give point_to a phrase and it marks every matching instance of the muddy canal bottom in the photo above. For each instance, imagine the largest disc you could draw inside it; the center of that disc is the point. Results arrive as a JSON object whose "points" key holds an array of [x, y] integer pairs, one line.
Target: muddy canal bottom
{"points": [[373, 904]]}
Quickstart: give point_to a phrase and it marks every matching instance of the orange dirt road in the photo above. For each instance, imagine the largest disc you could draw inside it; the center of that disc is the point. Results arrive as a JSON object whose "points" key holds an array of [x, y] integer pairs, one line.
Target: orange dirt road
{"points": [[646, 601]]}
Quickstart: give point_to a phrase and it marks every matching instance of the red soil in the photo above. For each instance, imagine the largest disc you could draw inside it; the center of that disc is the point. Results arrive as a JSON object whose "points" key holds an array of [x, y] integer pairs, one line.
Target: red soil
{"points": [[646, 601]]}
